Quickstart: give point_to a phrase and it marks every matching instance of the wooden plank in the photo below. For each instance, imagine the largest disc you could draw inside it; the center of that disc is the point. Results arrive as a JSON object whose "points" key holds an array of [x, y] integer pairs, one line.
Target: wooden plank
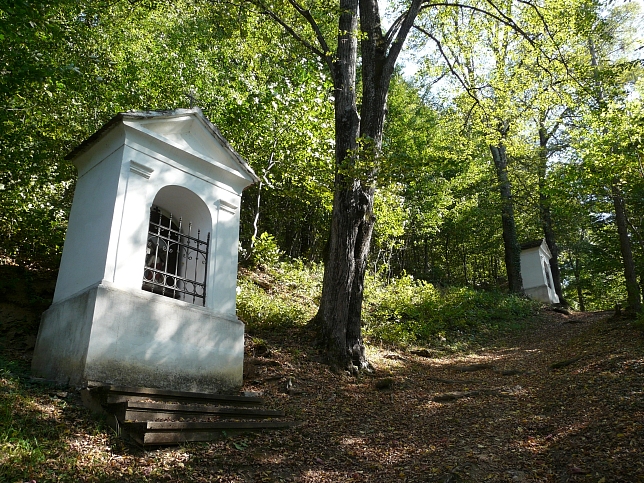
{"points": [[180, 394], [116, 394], [177, 437], [150, 439], [143, 415], [123, 398], [147, 411], [203, 408], [205, 426]]}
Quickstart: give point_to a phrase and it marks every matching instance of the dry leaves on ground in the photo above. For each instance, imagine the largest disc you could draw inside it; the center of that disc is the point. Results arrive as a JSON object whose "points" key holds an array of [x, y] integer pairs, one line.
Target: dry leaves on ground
{"points": [[561, 402]]}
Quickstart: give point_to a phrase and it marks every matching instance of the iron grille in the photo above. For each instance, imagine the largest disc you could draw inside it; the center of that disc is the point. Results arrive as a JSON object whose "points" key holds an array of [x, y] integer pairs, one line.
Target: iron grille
{"points": [[175, 260]]}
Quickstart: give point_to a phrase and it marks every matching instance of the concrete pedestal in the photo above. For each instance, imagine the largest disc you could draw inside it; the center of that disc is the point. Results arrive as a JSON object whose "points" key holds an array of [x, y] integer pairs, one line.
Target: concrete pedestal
{"points": [[139, 339]]}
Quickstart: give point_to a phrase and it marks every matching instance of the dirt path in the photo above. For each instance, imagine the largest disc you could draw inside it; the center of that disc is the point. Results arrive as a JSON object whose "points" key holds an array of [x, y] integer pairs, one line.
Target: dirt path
{"points": [[562, 402]]}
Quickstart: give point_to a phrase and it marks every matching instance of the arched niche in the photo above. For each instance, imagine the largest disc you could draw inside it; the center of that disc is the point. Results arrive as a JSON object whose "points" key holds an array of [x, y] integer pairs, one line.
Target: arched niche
{"points": [[178, 248]]}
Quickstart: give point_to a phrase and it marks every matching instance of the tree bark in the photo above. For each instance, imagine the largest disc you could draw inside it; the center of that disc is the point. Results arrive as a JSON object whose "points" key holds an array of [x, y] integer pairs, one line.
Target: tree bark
{"points": [[358, 143], [511, 246], [348, 208], [580, 292], [633, 295]]}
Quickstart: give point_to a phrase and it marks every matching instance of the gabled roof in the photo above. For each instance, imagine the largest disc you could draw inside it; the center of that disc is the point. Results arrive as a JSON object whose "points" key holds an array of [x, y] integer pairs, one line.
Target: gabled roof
{"points": [[541, 244], [531, 244], [153, 121]]}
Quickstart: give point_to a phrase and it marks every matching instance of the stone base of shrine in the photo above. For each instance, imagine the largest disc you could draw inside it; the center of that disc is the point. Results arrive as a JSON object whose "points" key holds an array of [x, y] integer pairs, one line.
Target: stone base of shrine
{"points": [[114, 336], [542, 293]]}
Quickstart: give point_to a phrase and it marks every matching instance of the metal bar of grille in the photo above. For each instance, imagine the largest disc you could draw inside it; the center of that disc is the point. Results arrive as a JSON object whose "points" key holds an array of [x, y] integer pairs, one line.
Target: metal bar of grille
{"points": [[173, 259]]}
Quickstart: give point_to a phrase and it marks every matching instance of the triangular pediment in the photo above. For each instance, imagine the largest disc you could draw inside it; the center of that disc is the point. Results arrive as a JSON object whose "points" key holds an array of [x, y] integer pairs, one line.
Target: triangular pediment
{"points": [[187, 130], [190, 131], [189, 134]]}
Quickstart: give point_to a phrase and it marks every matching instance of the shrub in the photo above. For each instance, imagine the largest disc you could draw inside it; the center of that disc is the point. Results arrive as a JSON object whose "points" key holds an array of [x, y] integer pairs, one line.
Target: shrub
{"points": [[284, 297], [265, 252], [403, 311], [407, 311]]}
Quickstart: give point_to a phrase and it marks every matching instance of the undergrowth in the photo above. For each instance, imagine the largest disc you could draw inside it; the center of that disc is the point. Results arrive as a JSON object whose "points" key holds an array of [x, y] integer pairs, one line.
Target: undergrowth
{"points": [[400, 312], [280, 297], [21, 426], [409, 312]]}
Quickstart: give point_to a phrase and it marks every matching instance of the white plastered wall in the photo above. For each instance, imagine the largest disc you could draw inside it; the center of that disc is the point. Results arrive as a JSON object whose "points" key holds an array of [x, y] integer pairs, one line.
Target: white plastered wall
{"points": [[537, 284], [102, 325]]}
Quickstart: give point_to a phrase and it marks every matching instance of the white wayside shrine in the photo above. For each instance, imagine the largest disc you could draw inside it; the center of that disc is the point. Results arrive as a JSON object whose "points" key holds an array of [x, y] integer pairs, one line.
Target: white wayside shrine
{"points": [[146, 290], [535, 272]]}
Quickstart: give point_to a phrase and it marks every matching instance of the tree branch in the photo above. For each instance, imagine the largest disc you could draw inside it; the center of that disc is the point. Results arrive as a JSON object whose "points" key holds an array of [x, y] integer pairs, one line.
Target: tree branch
{"points": [[313, 24], [395, 44], [395, 26], [467, 88], [323, 52], [505, 20]]}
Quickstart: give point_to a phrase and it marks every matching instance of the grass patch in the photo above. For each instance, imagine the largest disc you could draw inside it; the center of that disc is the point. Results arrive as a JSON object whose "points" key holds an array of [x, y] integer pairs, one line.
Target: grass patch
{"points": [[22, 425], [46, 435]]}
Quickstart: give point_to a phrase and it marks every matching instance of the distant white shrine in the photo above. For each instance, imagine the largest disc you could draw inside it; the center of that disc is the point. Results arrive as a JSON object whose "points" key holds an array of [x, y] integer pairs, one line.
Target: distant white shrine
{"points": [[146, 290], [535, 272]]}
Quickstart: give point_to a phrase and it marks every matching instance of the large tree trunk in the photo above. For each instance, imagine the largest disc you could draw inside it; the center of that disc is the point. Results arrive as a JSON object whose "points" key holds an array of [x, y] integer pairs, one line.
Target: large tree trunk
{"points": [[510, 243], [633, 295], [358, 143], [349, 208], [546, 217]]}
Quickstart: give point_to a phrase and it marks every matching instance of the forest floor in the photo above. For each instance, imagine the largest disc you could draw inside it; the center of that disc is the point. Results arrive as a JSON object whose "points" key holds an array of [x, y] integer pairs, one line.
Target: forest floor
{"points": [[560, 401]]}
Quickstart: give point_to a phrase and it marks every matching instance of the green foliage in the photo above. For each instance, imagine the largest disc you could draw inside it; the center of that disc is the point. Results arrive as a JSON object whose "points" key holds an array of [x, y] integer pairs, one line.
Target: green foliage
{"points": [[440, 194], [409, 311], [67, 67], [265, 251], [403, 311], [280, 297]]}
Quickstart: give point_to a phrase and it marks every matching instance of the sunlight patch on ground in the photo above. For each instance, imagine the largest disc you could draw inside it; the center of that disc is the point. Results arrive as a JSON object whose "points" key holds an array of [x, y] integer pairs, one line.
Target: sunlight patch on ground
{"points": [[386, 360], [268, 458], [352, 441], [8, 383], [47, 410]]}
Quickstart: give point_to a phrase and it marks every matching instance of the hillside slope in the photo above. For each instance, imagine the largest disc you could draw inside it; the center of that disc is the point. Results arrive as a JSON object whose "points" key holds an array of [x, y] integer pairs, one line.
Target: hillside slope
{"points": [[559, 401]]}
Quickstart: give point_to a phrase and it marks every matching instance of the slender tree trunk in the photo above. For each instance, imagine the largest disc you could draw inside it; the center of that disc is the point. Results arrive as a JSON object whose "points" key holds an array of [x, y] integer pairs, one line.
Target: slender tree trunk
{"points": [[448, 267], [425, 258], [580, 293], [633, 295], [546, 216], [464, 261], [510, 243]]}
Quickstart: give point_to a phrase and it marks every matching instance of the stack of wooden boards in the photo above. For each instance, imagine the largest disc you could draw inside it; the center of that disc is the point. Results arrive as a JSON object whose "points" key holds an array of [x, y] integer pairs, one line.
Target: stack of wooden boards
{"points": [[162, 417]]}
